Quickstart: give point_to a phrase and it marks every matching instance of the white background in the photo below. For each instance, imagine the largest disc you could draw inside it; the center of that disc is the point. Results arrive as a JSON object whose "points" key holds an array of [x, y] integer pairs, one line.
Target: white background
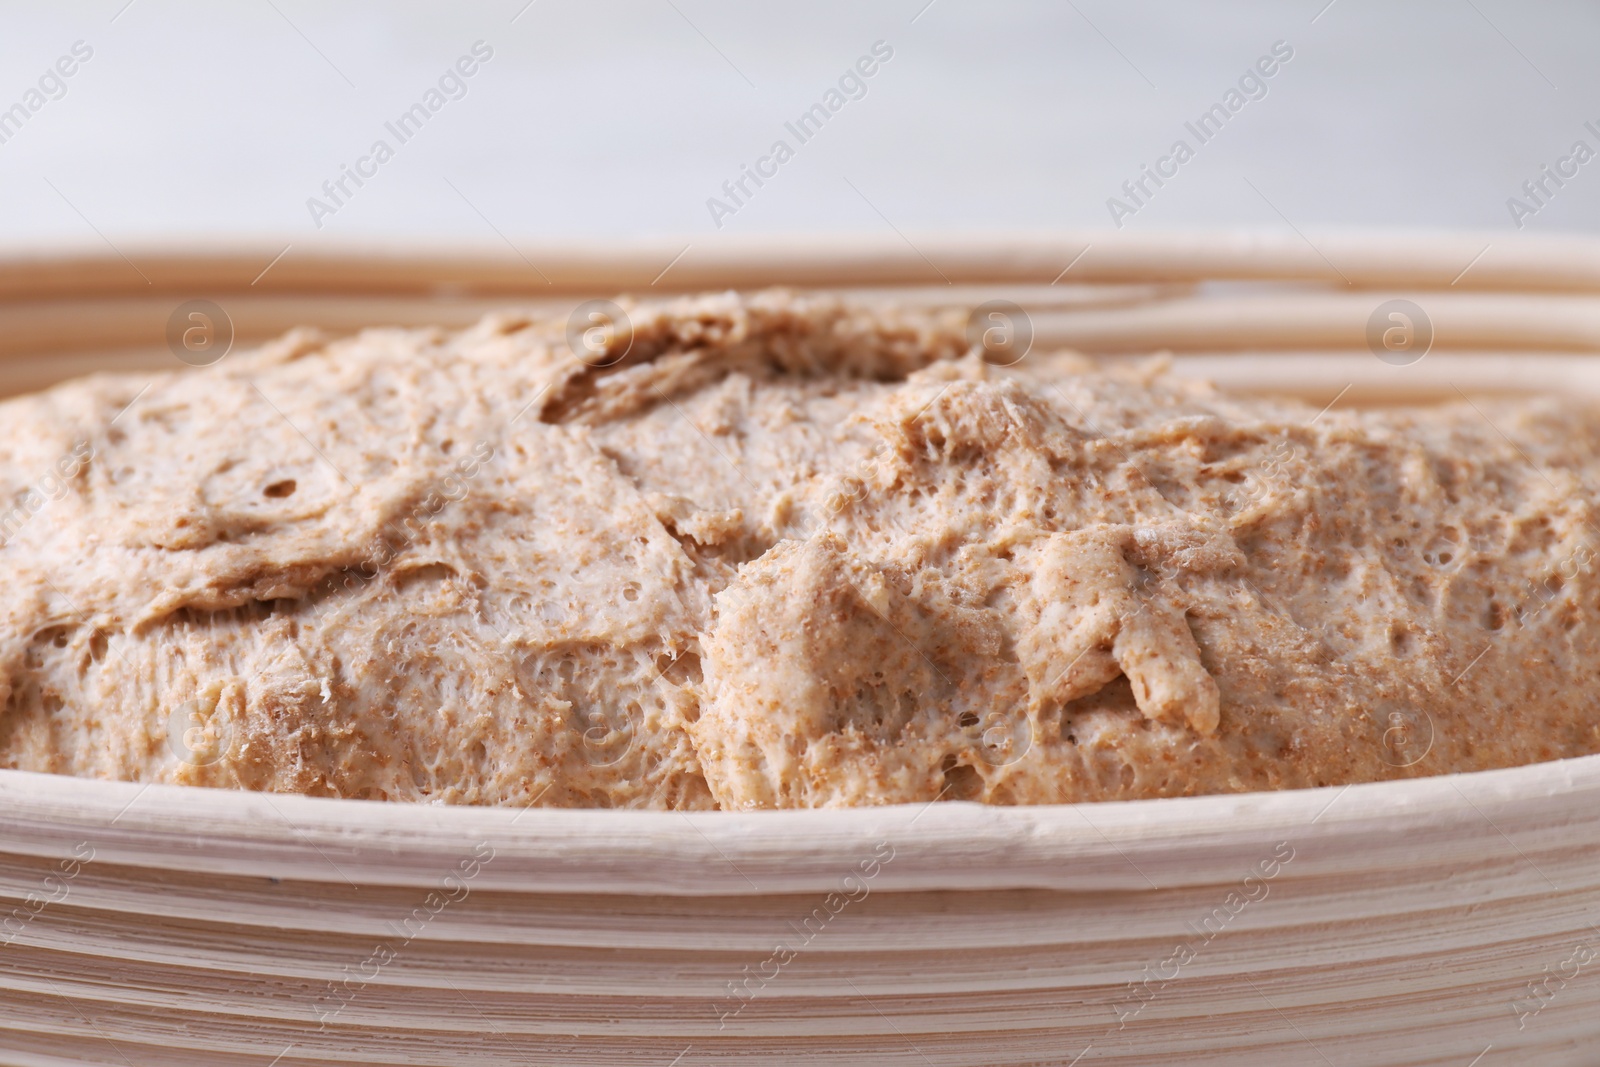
{"points": [[611, 119]]}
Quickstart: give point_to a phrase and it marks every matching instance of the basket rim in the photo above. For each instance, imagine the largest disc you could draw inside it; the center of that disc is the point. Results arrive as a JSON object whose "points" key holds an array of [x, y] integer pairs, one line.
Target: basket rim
{"points": [[1515, 814], [1347, 258]]}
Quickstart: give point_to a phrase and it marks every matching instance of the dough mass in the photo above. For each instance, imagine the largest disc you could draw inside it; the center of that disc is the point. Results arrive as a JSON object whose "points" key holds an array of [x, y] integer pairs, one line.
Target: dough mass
{"points": [[783, 553]]}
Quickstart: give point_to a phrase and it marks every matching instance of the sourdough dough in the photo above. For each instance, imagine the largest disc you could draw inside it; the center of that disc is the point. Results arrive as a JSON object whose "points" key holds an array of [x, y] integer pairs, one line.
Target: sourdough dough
{"points": [[782, 552]]}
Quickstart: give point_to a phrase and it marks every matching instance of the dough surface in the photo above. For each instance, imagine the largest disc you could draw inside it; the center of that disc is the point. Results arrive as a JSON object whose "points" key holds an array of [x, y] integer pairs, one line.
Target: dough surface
{"points": [[777, 551]]}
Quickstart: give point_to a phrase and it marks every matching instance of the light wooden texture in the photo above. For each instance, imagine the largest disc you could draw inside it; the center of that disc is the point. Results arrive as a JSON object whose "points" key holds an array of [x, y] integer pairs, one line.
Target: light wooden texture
{"points": [[1405, 923], [1463, 262]]}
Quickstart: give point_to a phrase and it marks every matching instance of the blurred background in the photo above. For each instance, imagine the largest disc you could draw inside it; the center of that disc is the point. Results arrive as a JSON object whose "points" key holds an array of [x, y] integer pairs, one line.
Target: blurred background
{"points": [[616, 119]]}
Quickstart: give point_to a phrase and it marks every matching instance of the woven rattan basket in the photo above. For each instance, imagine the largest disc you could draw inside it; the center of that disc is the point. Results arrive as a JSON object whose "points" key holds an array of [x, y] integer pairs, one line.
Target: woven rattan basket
{"points": [[1448, 920]]}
